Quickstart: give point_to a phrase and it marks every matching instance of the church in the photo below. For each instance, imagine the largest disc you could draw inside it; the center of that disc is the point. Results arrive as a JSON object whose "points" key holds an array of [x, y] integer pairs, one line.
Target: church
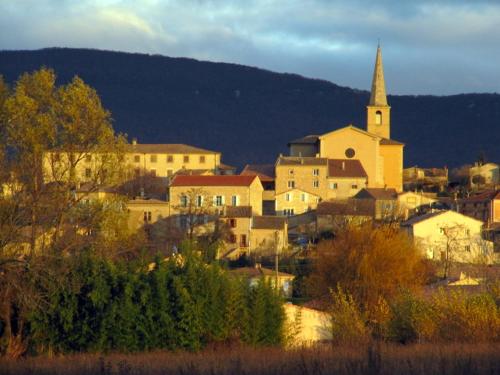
{"points": [[380, 156]]}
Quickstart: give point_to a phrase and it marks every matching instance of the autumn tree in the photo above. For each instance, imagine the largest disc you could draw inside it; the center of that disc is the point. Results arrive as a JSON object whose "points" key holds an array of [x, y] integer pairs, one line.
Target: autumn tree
{"points": [[368, 263]]}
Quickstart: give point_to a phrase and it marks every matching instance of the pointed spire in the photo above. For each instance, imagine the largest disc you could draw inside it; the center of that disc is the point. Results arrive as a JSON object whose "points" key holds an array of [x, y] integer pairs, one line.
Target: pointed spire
{"points": [[378, 96]]}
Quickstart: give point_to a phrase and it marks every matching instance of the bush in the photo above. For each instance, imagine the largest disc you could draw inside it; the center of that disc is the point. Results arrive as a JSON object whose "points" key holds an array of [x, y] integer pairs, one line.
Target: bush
{"points": [[181, 303], [348, 323]]}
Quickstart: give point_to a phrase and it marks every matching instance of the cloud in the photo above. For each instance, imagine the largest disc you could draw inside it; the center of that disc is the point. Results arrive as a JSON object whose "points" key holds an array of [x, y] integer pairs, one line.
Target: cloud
{"points": [[439, 47]]}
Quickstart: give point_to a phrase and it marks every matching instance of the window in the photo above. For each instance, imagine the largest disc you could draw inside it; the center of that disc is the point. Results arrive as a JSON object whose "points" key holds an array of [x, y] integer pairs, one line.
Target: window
{"points": [[170, 158], [243, 240], [199, 200], [378, 118], [137, 172], [232, 223], [57, 157], [467, 232], [290, 172], [288, 211], [354, 186], [315, 183], [184, 201], [88, 172], [235, 200], [152, 172], [218, 200], [288, 197], [441, 230], [202, 159], [170, 172], [137, 158], [303, 197], [349, 153], [291, 184], [467, 248], [186, 158], [153, 158], [232, 238], [88, 158], [147, 216], [315, 172], [333, 185]]}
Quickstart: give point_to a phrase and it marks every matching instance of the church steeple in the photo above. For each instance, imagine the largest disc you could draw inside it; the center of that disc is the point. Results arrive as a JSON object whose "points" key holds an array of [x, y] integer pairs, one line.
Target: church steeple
{"points": [[378, 96], [378, 112]]}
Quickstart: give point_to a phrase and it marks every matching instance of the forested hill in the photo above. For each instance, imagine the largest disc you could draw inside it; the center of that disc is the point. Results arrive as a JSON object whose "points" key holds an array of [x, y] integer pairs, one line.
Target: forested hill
{"points": [[250, 114]]}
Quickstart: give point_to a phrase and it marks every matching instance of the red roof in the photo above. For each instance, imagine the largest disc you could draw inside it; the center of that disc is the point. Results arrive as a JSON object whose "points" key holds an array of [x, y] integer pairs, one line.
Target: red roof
{"points": [[345, 168], [224, 180]]}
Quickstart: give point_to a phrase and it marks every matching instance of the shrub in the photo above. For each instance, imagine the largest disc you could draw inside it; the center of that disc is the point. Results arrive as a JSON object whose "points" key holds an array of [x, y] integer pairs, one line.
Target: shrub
{"points": [[348, 323]]}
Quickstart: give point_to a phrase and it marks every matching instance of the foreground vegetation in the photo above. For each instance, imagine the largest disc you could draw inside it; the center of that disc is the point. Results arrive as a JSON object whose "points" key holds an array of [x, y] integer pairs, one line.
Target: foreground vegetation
{"points": [[386, 359]]}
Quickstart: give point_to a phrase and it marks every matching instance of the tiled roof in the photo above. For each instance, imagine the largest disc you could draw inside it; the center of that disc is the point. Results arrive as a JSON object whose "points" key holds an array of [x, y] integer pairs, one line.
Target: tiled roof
{"points": [[264, 171], [146, 201], [193, 172], [238, 211], [377, 193], [485, 196], [308, 139], [167, 148], [268, 222], [345, 168], [418, 219], [226, 167], [301, 160], [350, 208], [224, 180]]}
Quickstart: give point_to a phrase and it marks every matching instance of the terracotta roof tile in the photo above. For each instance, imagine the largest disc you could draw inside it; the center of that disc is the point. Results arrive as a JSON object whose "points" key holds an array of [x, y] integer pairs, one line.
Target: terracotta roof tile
{"points": [[377, 193], [238, 211], [390, 142], [345, 168], [268, 222], [224, 180]]}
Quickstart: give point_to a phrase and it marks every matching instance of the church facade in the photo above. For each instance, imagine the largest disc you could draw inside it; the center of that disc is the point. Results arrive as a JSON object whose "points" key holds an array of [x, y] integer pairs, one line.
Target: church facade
{"points": [[380, 156]]}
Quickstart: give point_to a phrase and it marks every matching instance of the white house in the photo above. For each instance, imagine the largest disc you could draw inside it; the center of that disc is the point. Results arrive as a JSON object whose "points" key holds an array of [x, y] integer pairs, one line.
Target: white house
{"points": [[440, 232]]}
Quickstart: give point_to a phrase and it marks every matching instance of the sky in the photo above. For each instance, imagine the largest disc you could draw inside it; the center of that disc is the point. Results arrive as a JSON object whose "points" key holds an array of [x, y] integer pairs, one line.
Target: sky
{"points": [[429, 47]]}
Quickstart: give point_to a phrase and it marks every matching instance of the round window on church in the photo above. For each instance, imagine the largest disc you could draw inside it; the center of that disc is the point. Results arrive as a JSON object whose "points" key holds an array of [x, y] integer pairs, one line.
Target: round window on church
{"points": [[350, 153]]}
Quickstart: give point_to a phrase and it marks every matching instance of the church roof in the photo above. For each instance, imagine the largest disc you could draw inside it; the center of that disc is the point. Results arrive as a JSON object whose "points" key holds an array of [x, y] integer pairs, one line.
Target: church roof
{"points": [[378, 96], [390, 142], [345, 168]]}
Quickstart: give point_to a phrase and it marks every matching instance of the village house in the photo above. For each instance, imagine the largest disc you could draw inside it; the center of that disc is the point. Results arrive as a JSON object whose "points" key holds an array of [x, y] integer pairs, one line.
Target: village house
{"points": [[411, 203], [441, 232], [380, 156], [383, 202], [257, 235], [333, 216], [143, 211], [484, 206], [481, 175], [258, 274], [428, 179], [214, 193], [266, 173]]}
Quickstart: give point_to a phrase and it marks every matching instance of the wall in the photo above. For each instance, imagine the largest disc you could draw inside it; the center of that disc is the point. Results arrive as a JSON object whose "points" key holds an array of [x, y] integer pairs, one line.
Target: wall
{"points": [[307, 326], [393, 166], [333, 146], [344, 188], [296, 202]]}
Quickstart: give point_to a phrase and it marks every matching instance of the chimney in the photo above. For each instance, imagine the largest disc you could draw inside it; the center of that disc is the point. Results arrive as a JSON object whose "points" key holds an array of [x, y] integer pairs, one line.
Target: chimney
{"points": [[134, 141], [343, 165]]}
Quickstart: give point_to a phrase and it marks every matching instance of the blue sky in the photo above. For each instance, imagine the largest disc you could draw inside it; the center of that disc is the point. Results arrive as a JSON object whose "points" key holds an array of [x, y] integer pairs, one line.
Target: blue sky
{"points": [[429, 47]]}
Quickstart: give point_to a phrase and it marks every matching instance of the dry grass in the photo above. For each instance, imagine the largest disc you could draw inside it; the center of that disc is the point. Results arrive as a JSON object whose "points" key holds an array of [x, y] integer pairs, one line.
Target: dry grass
{"points": [[417, 359]]}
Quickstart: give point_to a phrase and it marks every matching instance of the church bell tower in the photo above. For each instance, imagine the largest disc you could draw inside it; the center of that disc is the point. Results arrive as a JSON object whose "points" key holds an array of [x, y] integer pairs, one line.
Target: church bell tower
{"points": [[378, 112]]}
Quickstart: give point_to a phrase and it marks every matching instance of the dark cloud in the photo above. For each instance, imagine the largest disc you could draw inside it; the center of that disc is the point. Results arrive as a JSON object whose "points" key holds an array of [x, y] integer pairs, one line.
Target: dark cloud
{"points": [[438, 47]]}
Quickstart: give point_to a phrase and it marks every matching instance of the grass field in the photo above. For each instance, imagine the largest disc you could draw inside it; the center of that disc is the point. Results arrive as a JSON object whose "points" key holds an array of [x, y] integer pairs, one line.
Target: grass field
{"points": [[416, 359]]}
